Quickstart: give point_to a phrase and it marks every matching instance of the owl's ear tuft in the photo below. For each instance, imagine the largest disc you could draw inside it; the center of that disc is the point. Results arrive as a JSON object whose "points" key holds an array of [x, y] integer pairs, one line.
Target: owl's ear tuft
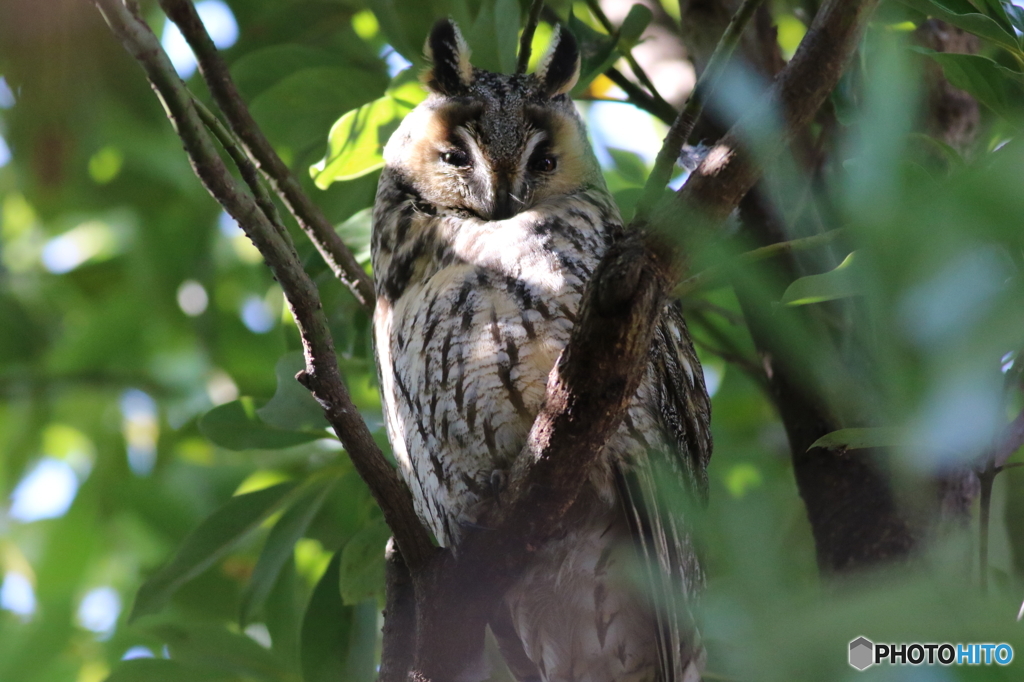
{"points": [[451, 72], [560, 68]]}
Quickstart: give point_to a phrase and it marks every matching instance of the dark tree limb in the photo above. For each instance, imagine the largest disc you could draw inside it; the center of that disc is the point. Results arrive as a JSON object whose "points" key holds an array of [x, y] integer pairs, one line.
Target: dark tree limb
{"points": [[728, 173], [321, 376], [851, 507], [640, 99], [308, 215], [399, 632]]}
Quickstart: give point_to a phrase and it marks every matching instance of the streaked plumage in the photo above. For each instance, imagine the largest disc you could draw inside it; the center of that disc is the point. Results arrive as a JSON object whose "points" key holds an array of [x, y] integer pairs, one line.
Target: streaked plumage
{"points": [[491, 215]]}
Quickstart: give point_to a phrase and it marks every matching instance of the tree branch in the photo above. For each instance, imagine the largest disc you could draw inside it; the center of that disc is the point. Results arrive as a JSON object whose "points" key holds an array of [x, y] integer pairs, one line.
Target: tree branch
{"points": [[308, 215], [321, 376], [634, 66], [526, 40], [728, 173], [640, 99], [682, 127]]}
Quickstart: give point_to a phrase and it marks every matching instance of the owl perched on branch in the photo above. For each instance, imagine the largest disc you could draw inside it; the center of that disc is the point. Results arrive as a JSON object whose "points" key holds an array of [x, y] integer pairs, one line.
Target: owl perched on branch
{"points": [[490, 217]]}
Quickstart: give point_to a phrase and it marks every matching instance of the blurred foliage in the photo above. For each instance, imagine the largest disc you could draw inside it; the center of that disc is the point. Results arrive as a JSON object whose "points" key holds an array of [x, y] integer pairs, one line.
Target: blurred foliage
{"points": [[144, 352]]}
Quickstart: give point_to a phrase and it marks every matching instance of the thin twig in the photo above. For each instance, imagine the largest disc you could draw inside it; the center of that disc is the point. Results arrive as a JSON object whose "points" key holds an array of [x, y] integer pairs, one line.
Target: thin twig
{"points": [[526, 40], [680, 130], [245, 167], [321, 376], [310, 218], [640, 99], [718, 273]]}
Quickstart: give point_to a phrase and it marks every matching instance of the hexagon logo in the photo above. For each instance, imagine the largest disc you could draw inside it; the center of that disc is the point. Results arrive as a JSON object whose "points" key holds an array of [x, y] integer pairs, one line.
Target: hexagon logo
{"points": [[862, 653]]}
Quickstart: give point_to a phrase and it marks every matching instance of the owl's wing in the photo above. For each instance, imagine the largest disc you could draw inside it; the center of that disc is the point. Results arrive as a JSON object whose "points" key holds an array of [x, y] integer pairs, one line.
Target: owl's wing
{"points": [[683, 401], [665, 547]]}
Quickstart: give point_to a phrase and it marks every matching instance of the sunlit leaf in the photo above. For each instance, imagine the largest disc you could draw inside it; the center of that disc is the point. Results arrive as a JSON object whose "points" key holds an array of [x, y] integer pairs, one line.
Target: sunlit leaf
{"points": [[356, 141], [842, 282], [236, 426], [860, 438], [280, 546], [209, 543]]}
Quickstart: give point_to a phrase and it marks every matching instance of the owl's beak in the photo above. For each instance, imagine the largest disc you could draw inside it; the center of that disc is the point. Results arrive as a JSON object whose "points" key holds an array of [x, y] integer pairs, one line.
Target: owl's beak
{"points": [[505, 205]]}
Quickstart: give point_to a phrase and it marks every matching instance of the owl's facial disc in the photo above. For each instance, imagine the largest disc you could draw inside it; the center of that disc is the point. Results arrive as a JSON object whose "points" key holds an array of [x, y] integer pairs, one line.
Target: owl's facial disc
{"points": [[494, 145], [481, 162]]}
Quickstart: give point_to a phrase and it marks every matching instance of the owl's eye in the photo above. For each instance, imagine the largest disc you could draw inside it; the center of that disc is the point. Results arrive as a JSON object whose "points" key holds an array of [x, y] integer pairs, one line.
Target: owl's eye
{"points": [[455, 157], [543, 164]]}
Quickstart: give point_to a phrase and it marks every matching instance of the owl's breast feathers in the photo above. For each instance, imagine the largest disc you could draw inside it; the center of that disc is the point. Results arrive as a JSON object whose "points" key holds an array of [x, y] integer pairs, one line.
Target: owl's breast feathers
{"points": [[470, 319]]}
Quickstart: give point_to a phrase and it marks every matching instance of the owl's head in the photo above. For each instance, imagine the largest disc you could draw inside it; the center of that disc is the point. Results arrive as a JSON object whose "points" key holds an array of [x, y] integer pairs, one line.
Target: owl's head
{"points": [[492, 144]]}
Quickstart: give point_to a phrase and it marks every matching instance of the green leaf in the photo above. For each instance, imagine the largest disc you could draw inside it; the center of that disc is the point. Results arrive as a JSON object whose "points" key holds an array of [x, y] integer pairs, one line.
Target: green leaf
{"points": [[236, 426], [950, 155], [215, 647], [961, 13], [633, 26], [493, 37], [362, 563], [842, 282], [597, 52], [996, 10], [860, 438], [995, 86], [280, 545], [356, 232], [257, 71], [406, 24], [161, 670], [209, 543], [292, 406], [1015, 14], [326, 630], [355, 145], [630, 166], [297, 109]]}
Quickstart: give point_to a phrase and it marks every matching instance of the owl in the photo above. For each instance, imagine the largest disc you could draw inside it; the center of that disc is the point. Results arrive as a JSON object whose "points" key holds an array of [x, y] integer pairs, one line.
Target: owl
{"points": [[490, 217]]}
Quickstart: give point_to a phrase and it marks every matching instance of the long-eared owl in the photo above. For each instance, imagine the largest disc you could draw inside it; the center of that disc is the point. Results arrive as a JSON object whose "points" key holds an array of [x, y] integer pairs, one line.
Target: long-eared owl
{"points": [[490, 217]]}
